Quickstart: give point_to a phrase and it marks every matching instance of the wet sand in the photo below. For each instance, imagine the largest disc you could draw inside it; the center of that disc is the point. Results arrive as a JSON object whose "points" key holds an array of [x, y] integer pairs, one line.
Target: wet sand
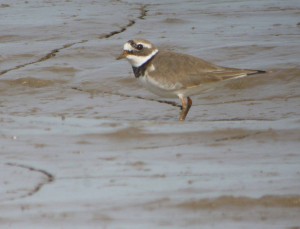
{"points": [[83, 145]]}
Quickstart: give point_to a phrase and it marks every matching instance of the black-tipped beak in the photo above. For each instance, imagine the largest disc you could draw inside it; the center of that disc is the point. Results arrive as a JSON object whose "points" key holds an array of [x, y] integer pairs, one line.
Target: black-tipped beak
{"points": [[122, 55]]}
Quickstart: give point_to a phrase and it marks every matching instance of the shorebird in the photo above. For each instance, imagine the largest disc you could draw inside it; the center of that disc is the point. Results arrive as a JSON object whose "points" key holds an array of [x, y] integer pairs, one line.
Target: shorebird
{"points": [[171, 75]]}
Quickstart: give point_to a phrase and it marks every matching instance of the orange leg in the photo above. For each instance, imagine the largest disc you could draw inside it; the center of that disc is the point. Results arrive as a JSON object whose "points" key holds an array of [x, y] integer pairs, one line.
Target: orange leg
{"points": [[186, 105]]}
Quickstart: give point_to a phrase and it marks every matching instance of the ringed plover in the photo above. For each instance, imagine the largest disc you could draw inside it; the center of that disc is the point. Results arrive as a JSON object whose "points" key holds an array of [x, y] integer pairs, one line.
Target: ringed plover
{"points": [[171, 75]]}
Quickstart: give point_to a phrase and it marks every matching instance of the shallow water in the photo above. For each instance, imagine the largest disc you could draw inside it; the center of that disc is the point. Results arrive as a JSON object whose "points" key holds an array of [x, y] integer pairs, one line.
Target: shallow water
{"points": [[83, 145]]}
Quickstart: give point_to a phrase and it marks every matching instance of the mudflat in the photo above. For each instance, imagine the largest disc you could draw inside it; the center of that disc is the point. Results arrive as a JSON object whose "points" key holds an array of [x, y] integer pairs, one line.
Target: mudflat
{"points": [[83, 145]]}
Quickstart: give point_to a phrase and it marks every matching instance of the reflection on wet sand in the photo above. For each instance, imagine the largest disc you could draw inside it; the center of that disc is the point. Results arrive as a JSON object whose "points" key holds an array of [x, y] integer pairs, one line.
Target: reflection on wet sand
{"points": [[242, 202]]}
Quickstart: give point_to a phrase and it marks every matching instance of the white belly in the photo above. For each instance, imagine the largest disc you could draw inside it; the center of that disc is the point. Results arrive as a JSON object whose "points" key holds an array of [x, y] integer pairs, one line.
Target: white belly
{"points": [[159, 89]]}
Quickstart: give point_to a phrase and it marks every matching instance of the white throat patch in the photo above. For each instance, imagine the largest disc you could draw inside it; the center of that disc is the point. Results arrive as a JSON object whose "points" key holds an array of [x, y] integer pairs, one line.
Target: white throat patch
{"points": [[137, 61]]}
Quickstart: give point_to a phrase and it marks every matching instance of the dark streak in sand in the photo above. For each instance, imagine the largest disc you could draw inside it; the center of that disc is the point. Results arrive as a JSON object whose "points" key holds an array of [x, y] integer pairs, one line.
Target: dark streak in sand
{"points": [[52, 53], [44, 58], [174, 104], [49, 178]]}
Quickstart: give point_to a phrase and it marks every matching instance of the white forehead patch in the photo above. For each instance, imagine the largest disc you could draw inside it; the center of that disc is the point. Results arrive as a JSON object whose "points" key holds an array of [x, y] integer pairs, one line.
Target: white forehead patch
{"points": [[128, 47]]}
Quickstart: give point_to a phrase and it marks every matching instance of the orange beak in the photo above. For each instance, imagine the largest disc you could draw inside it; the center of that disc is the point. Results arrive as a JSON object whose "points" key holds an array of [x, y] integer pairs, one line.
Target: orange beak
{"points": [[122, 56]]}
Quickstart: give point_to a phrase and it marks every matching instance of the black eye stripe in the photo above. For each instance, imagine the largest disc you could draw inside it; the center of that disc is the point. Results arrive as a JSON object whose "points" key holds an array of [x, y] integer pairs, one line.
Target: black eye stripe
{"points": [[136, 46]]}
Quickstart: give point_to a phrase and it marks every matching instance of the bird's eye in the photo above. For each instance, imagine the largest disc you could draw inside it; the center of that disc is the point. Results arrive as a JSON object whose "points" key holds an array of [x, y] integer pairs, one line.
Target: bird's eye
{"points": [[139, 47]]}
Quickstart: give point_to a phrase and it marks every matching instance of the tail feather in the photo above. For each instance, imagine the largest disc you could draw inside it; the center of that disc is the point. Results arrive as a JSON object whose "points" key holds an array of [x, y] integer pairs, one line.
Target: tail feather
{"points": [[252, 72], [235, 73]]}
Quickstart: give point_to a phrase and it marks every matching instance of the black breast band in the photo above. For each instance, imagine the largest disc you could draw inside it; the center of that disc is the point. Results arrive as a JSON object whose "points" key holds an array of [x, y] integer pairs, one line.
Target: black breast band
{"points": [[140, 71]]}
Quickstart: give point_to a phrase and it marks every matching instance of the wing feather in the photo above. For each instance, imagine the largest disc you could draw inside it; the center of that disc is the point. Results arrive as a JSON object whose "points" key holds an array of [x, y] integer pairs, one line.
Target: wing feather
{"points": [[184, 71]]}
